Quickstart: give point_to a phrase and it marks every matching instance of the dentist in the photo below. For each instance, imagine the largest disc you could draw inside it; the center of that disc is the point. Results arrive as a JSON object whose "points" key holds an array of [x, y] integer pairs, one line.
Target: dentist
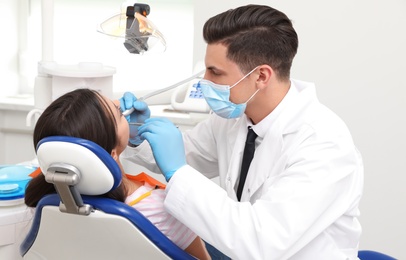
{"points": [[300, 196]]}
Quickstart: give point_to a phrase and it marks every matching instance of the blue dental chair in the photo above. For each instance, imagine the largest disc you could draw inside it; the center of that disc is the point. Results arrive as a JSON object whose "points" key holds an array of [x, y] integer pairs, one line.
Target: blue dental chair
{"points": [[77, 223], [373, 255]]}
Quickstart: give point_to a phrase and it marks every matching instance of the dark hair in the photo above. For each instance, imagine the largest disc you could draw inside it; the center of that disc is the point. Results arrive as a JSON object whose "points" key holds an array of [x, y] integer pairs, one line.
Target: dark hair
{"points": [[255, 35], [81, 113]]}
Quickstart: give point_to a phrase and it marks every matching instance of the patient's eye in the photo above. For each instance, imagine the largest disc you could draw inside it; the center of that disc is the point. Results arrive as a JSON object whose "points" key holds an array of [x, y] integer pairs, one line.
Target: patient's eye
{"points": [[121, 111]]}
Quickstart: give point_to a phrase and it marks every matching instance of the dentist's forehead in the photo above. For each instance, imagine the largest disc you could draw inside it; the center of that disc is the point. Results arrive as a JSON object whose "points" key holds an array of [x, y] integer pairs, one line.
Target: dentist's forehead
{"points": [[216, 55]]}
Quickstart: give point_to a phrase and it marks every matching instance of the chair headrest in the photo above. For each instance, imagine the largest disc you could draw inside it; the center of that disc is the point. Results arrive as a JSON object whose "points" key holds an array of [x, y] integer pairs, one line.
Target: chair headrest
{"points": [[99, 172]]}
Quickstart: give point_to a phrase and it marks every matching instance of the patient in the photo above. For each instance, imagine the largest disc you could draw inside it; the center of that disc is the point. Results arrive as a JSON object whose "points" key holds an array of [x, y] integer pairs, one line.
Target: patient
{"points": [[86, 114]]}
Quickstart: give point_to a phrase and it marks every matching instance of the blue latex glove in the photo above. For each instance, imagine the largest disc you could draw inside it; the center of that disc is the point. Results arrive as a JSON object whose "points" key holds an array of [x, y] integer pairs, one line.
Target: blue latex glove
{"points": [[166, 143], [140, 114]]}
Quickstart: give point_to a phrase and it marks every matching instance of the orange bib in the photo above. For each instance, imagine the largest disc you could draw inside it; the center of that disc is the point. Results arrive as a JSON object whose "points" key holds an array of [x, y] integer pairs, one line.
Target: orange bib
{"points": [[145, 178]]}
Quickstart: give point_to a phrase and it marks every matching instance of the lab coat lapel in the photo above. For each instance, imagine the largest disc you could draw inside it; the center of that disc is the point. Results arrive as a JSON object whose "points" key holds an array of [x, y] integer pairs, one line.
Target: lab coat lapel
{"points": [[237, 145], [269, 153], [262, 163]]}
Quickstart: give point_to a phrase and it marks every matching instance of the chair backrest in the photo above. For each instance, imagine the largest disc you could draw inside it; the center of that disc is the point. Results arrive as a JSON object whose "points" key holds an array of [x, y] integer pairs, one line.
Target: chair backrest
{"points": [[78, 223]]}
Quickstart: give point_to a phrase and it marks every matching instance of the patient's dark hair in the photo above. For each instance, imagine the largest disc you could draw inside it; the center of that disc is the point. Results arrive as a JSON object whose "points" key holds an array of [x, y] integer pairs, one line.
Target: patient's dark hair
{"points": [[82, 113]]}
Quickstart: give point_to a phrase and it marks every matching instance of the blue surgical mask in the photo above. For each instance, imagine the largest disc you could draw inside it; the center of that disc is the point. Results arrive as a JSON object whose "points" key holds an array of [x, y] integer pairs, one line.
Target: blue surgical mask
{"points": [[218, 98]]}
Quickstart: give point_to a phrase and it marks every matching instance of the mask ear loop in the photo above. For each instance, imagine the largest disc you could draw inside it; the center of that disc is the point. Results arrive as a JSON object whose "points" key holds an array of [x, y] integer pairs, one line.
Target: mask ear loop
{"points": [[249, 73], [252, 96]]}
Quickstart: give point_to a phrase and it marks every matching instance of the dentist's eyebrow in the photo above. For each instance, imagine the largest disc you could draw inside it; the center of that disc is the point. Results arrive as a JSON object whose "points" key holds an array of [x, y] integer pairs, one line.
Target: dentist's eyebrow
{"points": [[212, 68], [215, 70]]}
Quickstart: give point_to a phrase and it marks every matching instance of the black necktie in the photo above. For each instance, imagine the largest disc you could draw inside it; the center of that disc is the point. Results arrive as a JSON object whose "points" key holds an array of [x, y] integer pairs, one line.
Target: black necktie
{"points": [[246, 159]]}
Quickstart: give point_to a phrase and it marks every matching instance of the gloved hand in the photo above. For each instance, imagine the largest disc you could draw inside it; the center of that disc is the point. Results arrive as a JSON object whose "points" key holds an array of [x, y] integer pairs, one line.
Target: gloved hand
{"points": [[166, 143], [140, 114]]}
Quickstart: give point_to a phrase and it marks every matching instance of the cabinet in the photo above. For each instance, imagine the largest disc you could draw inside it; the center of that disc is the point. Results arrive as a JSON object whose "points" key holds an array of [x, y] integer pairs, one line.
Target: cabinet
{"points": [[15, 136]]}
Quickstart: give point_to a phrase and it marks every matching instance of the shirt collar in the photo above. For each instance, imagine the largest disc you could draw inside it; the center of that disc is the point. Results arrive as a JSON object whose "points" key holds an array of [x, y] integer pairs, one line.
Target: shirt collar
{"points": [[265, 124]]}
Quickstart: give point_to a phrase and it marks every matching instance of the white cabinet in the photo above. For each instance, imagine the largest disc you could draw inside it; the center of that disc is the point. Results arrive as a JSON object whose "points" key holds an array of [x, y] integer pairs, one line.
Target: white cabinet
{"points": [[16, 144]]}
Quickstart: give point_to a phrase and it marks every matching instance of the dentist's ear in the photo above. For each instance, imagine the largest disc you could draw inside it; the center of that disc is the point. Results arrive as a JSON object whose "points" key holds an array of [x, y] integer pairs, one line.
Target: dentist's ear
{"points": [[265, 72]]}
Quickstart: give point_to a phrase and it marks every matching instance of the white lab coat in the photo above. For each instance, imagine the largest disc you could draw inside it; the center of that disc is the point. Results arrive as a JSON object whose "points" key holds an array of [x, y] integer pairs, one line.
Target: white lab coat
{"points": [[301, 196]]}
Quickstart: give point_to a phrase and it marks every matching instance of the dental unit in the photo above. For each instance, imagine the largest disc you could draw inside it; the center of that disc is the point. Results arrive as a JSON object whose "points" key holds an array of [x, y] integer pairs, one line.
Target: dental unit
{"points": [[159, 91]]}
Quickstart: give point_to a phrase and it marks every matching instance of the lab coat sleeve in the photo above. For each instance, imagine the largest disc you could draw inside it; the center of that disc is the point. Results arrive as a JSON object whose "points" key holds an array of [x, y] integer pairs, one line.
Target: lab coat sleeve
{"points": [[201, 148], [203, 206], [318, 186], [141, 155]]}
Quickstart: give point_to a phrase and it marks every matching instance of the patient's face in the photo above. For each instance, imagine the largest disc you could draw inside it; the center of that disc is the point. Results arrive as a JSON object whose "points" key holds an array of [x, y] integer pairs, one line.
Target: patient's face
{"points": [[123, 130]]}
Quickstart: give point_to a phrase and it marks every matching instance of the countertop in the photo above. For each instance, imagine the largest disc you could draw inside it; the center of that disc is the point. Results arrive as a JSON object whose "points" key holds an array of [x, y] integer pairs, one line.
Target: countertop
{"points": [[17, 102]]}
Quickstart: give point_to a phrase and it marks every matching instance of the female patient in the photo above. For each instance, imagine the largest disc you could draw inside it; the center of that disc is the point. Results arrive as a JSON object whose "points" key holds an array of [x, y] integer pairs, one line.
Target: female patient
{"points": [[86, 114]]}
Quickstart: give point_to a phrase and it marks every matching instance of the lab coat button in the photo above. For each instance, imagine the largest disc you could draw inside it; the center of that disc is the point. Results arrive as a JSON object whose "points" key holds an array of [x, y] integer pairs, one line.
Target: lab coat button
{"points": [[249, 191]]}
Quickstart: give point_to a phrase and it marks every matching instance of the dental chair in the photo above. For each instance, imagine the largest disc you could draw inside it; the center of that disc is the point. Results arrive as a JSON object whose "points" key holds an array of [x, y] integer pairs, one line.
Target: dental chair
{"points": [[77, 222], [373, 255]]}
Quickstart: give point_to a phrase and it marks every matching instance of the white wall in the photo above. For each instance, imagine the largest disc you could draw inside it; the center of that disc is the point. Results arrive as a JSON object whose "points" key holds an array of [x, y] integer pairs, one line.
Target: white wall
{"points": [[355, 52], [9, 46]]}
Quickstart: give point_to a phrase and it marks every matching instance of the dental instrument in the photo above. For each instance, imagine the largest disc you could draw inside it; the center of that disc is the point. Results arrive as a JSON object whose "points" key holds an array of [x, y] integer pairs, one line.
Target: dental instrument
{"points": [[159, 91], [140, 124]]}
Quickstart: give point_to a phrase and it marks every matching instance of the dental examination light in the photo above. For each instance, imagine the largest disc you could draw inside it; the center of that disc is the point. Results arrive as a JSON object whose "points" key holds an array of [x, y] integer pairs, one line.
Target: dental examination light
{"points": [[138, 32]]}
